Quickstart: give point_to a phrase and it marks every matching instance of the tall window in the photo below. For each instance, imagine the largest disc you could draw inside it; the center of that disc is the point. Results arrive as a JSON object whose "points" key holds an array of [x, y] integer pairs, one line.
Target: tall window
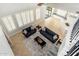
{"points": [[9, 23], [23, 15], [28, 16], [19, 20], [31, 15], [37, 13]]}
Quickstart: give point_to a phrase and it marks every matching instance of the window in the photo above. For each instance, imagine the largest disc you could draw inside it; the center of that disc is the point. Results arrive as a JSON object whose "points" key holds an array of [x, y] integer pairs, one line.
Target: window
{"points": [[37, 13], [19, 21], [31, 15], [61, 12], [8, 22], [28, 16], [24, 17], [23, 14], [10, 19]]}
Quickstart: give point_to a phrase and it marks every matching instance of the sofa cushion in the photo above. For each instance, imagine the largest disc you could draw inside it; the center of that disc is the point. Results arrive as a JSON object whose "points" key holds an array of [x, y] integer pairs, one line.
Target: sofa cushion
{"points": [[25, 32], [50, 37], [43, 29], [50, 32], [32, 28], [55, 37], [28, 29]]}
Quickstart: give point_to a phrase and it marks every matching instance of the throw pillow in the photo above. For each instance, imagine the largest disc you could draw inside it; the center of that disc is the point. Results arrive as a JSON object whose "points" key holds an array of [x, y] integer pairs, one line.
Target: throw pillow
{"points": [[43, 29], [32, 27], [55, 37], [25, 31]]}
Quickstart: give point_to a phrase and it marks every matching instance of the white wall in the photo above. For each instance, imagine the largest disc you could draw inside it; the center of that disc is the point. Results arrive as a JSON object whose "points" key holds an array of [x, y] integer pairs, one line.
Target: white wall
{"points": [[5, 49], [10, 8], [72, 7]]}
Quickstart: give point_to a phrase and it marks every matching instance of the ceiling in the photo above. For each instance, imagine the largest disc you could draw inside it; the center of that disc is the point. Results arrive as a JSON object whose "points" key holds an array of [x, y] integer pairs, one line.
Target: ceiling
{"points": [[9, 8]]}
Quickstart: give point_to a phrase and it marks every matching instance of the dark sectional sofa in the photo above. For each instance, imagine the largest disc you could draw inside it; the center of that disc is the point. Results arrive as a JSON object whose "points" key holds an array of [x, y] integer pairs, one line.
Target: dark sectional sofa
{"points": [[29, 31], [49, 35]]}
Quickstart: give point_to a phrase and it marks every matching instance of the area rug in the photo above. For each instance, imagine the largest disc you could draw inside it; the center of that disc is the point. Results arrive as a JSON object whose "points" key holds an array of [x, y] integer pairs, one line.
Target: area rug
{"points": [[49, 49]]}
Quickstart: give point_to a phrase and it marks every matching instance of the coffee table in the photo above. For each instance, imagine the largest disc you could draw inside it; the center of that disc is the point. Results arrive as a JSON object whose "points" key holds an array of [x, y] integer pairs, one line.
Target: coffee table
{"points": [[40, 41]]}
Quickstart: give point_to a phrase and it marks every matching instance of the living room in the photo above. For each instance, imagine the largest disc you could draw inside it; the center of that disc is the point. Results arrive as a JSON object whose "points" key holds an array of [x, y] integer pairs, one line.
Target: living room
{"points": [[35, 29]]}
